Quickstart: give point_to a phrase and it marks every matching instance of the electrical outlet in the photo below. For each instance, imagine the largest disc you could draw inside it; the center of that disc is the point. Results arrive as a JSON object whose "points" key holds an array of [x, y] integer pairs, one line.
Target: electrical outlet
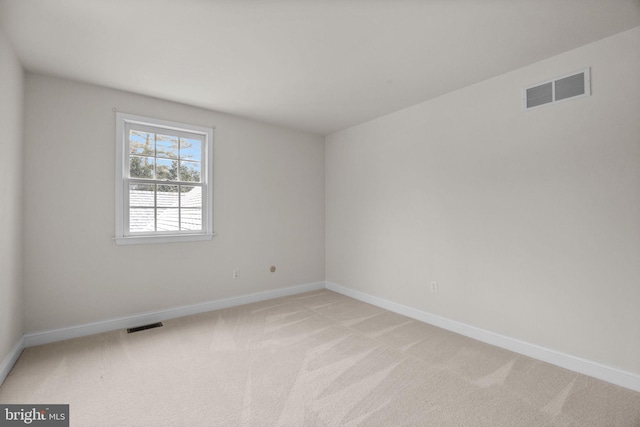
{"points": [[434, 286], [236, 274]]}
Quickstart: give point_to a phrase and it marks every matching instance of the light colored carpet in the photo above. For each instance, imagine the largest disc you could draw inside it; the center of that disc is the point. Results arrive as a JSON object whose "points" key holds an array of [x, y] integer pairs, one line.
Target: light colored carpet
{"points": [[316, 359]]}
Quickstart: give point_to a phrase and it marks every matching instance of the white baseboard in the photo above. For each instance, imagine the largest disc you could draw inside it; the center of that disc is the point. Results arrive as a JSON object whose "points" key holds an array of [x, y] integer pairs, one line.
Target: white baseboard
{"points": [[587, 367], [11, 359], [594, 369], [45, 337]]}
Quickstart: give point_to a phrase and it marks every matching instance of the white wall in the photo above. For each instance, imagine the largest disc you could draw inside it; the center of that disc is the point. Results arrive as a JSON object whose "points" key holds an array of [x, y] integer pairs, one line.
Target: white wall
{"points": [[530, 222], [11, 116], [268, 196]]}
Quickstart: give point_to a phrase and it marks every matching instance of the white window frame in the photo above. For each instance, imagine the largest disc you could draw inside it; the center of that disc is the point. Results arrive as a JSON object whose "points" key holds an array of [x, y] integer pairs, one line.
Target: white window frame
{"points": [[123, 236]]}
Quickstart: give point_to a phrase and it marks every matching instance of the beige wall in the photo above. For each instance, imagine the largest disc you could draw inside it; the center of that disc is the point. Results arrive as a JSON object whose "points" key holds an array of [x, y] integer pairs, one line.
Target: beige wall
{"points": [[530, 222], [268, 196], [11, 114]]}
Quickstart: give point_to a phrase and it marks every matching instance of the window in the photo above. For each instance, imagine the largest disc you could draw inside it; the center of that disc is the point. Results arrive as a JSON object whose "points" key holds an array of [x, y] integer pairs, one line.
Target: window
{"points": [[163, 181]]}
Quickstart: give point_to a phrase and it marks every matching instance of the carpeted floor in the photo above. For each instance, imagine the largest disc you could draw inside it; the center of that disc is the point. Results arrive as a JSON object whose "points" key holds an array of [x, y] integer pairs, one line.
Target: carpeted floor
{"points": [[316, 359]]}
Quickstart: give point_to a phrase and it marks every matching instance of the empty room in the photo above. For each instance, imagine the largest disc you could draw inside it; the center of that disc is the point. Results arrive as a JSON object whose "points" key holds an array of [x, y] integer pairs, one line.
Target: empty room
{"points": [[320, 213]]}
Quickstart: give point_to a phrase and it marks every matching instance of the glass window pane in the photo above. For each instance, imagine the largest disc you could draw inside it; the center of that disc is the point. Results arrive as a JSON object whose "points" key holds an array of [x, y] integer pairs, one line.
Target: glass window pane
{"points": [[141, 142], [191, 219], [190, 197], [167, 146], [141, 167], [141, 220], [166, 169], [190, 149], [167, 196], [168, 219], [141, 195], [189, 171]]}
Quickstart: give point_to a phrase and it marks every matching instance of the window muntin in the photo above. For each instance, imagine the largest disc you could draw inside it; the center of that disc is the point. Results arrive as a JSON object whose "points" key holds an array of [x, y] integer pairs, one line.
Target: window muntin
{"points": [[164, 184]]}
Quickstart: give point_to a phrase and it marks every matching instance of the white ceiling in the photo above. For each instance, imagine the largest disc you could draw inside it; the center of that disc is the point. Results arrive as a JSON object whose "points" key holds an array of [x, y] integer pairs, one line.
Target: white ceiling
{"points": [[314, 65]]}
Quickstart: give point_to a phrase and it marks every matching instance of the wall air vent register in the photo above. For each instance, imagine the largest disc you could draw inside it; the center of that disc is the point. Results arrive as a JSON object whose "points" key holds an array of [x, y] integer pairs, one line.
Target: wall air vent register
{"points": [[570, 86]]}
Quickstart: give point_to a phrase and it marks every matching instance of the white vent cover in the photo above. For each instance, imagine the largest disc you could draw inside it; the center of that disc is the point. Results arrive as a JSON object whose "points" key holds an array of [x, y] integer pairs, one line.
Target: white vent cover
{"points": [[569, 86]]}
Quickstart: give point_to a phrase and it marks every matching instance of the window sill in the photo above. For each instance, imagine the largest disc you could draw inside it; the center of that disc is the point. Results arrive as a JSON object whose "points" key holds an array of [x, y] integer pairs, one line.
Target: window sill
{"points": [[145, 240]]}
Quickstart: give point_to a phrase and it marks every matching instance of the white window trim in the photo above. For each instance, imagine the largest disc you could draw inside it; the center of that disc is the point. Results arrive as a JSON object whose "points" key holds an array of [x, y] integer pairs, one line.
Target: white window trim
{"points": [[121, 237]]}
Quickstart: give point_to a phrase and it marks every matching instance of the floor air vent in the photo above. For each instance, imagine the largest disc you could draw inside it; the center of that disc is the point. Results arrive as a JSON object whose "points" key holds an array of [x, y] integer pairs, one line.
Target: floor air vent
{"points": [[569, 86], [144, 327]]}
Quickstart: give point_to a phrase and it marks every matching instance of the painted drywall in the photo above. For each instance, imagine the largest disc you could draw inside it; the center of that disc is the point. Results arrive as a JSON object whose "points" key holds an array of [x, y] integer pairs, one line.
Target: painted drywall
{"points": [[528, 221], [11, 116], [268, 210]]}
